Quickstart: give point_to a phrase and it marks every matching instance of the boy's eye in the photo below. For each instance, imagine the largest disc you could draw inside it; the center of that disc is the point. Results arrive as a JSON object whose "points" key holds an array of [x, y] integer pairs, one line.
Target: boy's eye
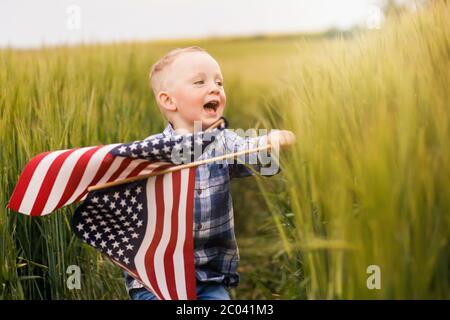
{"points": [[220, 83], [199, 82]]}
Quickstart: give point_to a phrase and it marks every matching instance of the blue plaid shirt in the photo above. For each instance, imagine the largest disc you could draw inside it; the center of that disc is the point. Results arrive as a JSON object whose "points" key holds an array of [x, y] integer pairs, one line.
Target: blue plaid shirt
{"points": [[215, 249]]}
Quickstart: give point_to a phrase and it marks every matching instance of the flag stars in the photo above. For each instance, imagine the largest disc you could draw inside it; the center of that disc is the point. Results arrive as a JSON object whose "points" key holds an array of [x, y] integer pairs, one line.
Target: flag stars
{"points": [[122, 149], [120, 216], [188, 143], [84, 214]]}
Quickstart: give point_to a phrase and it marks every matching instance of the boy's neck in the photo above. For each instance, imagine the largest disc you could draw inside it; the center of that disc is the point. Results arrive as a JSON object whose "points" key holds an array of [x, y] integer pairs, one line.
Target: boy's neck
{"points": [[187, 127], [182, 129]]}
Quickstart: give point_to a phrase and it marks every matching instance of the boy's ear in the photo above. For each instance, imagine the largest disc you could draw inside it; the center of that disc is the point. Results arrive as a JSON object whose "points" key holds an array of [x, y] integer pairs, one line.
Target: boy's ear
{"points": [[166, 101]]}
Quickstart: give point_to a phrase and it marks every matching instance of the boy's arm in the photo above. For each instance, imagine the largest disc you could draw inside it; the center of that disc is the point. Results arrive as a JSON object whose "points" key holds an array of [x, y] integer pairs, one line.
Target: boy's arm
{"points": [[264, 162]]}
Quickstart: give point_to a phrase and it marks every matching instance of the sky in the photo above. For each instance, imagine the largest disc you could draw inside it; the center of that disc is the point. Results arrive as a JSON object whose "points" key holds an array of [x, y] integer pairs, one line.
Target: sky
{"points": [[28, 23]]}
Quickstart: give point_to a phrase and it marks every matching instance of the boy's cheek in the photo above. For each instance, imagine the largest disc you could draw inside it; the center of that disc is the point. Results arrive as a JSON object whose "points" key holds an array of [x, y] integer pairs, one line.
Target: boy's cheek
{"points": [[221, 110]]}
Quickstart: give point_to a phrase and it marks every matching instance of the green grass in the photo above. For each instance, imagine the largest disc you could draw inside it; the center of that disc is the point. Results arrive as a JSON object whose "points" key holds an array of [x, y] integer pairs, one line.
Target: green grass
{"points": [[368, 178], [366, 183]]}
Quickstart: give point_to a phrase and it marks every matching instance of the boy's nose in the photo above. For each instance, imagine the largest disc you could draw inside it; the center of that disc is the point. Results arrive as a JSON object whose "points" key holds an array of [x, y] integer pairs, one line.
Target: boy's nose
{"points": [[214, 88]]}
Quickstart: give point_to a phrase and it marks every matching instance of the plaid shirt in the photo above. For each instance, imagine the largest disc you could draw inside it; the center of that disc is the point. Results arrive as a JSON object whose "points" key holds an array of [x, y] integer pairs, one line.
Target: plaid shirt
{"points": [[215, 249]]}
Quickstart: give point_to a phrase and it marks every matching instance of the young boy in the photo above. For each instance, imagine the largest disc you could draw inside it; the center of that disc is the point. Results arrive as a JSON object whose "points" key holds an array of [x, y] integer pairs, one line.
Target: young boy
{"points": [[188, 87]]}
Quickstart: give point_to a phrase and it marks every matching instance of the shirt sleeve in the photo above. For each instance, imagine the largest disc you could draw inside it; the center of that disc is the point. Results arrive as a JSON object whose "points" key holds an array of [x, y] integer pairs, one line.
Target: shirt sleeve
{"points": [[263, 162]]}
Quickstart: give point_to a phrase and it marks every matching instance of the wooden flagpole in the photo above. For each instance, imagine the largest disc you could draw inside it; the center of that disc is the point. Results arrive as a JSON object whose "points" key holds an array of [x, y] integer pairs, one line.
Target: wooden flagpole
{"points": [[180, 167], [176, 168]]}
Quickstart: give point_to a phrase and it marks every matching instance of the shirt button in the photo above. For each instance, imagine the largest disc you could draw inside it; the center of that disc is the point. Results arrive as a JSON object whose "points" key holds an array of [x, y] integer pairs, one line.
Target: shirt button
{"points": [[199, 226], [199, 191]]}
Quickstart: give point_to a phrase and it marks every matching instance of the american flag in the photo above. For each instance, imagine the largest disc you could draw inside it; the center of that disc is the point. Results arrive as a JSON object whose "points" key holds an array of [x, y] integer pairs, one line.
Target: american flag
{"points": [[146, 228], [55, 179]]}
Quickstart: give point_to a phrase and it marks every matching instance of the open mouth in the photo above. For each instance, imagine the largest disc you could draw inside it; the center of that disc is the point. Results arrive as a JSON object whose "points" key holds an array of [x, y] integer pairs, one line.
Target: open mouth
{"points": [[211, 106]]}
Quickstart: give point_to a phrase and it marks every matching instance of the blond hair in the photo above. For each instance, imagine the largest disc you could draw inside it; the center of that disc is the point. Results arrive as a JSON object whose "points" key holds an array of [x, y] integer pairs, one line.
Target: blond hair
{"points": [[156, 72]]}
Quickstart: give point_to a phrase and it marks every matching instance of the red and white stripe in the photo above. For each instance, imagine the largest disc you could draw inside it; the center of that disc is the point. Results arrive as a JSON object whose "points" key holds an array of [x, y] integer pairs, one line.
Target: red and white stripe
{"points": [[52, 180], [165, 260]]}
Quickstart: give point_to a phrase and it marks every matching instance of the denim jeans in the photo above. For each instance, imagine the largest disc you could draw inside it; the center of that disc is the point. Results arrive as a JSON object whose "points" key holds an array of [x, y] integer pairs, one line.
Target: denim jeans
{"points": [[205, 291]]}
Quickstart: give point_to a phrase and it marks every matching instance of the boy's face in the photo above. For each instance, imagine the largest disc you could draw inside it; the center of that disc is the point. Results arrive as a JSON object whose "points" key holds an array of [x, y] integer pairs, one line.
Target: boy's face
{"points": [[196, 87]]}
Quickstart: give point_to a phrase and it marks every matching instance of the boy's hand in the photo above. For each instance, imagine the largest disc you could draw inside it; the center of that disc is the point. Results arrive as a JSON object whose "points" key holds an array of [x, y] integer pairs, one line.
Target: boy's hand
{"points": [[281, 137]]}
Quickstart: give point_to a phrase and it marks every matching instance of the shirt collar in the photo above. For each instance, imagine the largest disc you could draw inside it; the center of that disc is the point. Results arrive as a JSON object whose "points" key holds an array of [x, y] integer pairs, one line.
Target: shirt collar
{"points": [[169, 131]]}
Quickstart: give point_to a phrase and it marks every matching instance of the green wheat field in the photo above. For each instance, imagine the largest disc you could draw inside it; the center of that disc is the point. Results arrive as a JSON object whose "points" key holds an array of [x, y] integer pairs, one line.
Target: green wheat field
{"points": [[367, 183]]}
